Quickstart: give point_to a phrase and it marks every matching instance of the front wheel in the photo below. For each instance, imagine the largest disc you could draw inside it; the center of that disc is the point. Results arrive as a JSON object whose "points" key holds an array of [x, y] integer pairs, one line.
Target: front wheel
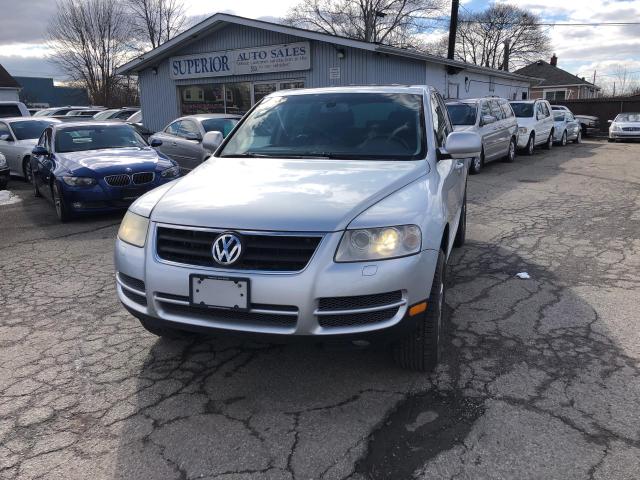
{"points": [[563, 141], [421, 349], [511, 153], [58, 202], [578, 137], [26, 170], [476, 164], [530, 144], [549, 144]]}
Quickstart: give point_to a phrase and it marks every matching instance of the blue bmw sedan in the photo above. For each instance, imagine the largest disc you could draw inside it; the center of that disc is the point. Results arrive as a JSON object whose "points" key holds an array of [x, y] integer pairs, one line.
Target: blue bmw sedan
{"points": [[96, 167]]}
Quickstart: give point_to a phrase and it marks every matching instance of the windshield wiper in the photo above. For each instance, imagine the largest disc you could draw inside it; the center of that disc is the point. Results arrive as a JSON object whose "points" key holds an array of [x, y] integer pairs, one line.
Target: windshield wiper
{"points": [[246, 155]]}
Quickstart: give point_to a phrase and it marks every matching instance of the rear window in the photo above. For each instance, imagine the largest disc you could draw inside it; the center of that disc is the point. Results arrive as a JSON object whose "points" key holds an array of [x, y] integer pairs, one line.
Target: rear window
{"points": [[462, 113], [522, 110], [10, 111]]}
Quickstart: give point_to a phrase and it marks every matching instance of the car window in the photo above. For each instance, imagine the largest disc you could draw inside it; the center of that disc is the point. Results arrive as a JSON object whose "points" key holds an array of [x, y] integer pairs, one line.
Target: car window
{"points": [[4, 130], [10, 111], [485, 109], [559, 117], [628, 117], [123, 115], [522, 110], [569, 117], [440, 129], [26, 129], [173, 128], [496, 111], [462, 113], [222, 125], [98, 137], [188, 126], [506, 109], [363, 125], [544, 109]]}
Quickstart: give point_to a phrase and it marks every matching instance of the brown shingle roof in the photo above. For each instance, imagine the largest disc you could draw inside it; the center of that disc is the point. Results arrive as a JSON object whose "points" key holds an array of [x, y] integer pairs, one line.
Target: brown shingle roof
{"points": [[552, 75], [6, 80]]}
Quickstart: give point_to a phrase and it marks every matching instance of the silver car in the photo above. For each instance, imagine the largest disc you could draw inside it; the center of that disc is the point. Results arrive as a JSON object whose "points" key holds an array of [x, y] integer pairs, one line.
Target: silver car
{"points": [[327, 213], [182, 138], [566, 128], [492, 119], [18, 136], [626, 126]]}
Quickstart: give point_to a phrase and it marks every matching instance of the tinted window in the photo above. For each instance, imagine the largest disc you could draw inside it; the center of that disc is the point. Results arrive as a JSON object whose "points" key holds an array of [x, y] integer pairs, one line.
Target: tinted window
{"points": [[558, 117], [4, 130], [485, 109], [123, 115], [506, 109], [462, 113], [78, 139], [104, 115], [10, 111], [222, 125], [522, 110], [173, 128], [337, 125], [496, 111], [186, 127], [29, 128]]}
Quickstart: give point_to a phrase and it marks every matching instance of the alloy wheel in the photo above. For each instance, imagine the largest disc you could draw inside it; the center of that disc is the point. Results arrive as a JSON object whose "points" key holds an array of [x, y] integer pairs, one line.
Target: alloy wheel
{"points": [[564, 139]]}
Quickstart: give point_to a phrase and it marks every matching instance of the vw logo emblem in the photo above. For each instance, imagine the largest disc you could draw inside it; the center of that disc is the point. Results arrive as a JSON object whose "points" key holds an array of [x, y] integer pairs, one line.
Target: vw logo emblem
{"points": [[226, 249], [128, 170]]}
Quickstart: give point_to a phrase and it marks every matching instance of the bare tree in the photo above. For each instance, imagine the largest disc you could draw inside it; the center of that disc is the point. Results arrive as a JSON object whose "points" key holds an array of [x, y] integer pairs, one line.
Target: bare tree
{"points": [[626, 83], [393, 22], [154, 22], [481, 37], [90, 39]]}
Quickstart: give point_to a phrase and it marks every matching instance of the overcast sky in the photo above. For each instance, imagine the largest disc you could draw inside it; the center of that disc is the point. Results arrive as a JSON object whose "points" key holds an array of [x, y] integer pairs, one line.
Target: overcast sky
{"points": [[580, 49]]}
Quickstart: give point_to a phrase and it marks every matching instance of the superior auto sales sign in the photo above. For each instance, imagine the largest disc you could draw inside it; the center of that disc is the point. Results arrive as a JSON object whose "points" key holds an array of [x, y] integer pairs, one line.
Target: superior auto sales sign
{"points": [[272, 58]]}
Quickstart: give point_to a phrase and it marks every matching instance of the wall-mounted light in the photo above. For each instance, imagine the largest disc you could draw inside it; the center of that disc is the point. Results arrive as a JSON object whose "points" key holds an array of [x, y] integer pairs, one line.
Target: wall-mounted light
{"points": [[155, 70], [341, 53]]}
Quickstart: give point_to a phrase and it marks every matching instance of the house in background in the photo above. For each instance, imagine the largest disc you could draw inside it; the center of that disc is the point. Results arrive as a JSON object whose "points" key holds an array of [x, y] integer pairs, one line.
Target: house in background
{"points": [[557, 84], [9, 87], [41, 92]]}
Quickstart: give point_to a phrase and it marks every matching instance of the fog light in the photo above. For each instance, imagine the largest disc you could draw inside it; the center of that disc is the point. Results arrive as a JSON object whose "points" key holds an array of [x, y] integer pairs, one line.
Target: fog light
{"points": [[418, 308]]}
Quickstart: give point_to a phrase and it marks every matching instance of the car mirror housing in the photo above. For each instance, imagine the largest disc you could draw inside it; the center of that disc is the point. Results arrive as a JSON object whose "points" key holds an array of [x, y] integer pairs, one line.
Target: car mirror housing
{"points": [[155, 142], [488, 119], [462, 145], [212, 140], [6, 137], [39, 151]]}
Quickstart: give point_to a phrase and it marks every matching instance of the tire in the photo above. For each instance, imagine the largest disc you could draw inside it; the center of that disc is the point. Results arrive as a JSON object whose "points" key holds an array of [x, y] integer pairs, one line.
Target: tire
{"points": [[511, 154], [3, 183], [476, 164], [163, 332], [461, 234], [579, 137], [34, 184], [549, 144], [421, 349], [563, 141], [530, 144], [611, 140], [58, 202], [26, 169]]}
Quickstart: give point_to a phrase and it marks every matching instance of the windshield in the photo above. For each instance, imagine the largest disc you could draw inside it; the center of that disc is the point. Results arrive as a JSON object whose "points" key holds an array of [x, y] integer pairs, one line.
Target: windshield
{"points": [[222, 125], [558, 117], [104, 115], [462, 113], [87, 137], [29, 128], [335, 125], [628, 117], [522, 110]]}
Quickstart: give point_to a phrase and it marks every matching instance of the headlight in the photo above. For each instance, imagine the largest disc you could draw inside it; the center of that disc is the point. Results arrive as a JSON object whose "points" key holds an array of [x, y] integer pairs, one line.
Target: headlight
{"points": [[133, 229], [379, 243], [79, 181], [3, 161], [171, 172], [616, 128], [522, 130]]}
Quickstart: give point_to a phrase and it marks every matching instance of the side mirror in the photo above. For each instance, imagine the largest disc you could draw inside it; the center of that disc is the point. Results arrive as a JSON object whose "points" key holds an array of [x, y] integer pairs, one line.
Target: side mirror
{"points": [[212, 140], [155, 142], [39, 151], [609, 121], [6, 137], [461, 145], [488, 119], [193, 136]]}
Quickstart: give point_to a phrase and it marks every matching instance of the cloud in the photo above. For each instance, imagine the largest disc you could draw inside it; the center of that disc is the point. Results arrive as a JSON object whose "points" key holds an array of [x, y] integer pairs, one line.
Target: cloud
{"points": [[31, 67], [25, 21]]}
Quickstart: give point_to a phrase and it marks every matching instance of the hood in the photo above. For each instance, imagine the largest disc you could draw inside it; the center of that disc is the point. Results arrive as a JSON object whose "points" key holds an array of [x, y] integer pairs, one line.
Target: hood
{"points": [[282, 194], [465, 128], [113, 160]]}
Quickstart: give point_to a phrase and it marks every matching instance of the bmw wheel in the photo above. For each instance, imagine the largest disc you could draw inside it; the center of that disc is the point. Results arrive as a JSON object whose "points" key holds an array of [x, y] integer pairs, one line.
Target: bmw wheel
{"points": [[61, 208]]}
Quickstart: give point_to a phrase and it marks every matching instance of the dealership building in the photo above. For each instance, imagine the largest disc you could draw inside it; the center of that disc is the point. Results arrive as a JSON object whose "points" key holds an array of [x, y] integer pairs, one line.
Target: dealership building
{"points": [[227, 63]]}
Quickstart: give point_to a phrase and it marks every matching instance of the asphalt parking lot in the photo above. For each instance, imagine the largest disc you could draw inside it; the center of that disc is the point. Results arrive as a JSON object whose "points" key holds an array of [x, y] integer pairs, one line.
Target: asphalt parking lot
{"points": [[540, 379]]}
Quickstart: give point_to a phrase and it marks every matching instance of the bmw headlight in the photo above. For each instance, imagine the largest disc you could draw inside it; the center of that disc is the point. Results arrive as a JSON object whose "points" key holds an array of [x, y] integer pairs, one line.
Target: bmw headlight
{"points": [[171, 172], [79, 181], [379, 243], [133, 229], [522, 130]]}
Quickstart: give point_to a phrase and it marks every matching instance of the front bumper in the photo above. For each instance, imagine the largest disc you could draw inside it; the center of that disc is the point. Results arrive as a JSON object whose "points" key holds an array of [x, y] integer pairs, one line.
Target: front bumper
{"points": [[281, 304], [624, 135], [523, 139]]}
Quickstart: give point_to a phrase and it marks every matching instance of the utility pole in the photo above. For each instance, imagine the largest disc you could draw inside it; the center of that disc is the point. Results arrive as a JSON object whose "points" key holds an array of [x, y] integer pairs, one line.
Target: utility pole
{"points": [[505, 61], [453, 29]]}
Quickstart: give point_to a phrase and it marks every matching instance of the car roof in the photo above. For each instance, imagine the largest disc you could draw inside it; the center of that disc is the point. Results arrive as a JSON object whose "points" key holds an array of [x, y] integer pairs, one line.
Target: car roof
{"points": [[22, 119], [204, 116], [416, 89], [87, 123]]}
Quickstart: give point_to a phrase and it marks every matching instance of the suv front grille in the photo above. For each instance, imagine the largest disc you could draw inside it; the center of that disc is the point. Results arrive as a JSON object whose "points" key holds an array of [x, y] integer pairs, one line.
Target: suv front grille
{"points": [[280, 253]]}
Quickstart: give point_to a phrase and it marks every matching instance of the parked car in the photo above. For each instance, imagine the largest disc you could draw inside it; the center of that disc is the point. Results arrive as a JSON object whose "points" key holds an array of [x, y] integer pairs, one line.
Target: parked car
{"points": [[182, 138], [13, 109], [89, 112], [33, 111], [626, 126], [535, 124], [18, 136], [116, 114], [492, 119], [91, 167], [57, 111], [326, 213], [4, 172], [136, 117], [566, 128], [589, 124]]}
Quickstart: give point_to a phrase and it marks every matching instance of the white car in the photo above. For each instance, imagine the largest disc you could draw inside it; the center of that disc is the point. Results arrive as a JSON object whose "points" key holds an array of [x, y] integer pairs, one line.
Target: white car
{"points": [[566, 128], [535, 124], [626, 126], [13, 109]]}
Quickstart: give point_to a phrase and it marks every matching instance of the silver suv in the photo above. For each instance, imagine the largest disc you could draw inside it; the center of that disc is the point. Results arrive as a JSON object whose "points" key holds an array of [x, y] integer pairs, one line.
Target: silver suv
{"points": [[326, 213], [493, 119]]}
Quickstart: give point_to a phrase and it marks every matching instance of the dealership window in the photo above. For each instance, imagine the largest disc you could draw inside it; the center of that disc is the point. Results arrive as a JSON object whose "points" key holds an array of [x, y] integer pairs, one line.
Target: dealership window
{"points": [[555, 94], [262, 89]]}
